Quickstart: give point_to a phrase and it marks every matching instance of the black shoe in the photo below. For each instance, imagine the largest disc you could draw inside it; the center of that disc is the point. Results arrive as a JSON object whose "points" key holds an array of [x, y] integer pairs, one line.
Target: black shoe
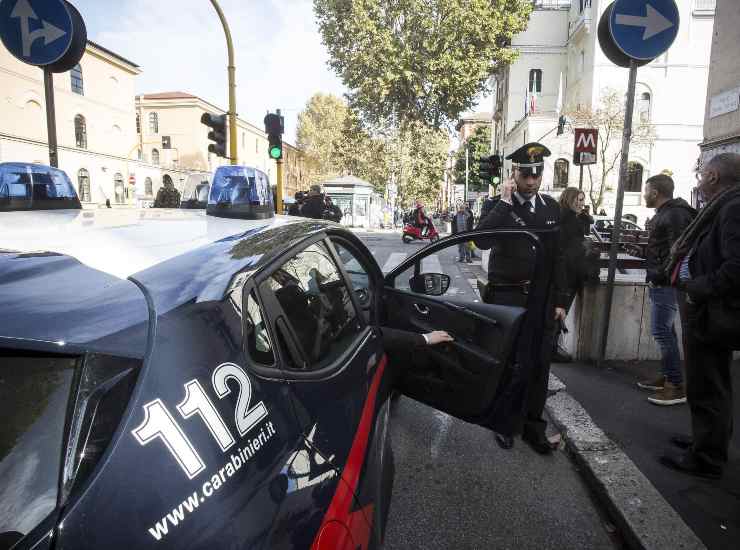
{"points": [[687, 463], [504, 441], [682, 441], [539, 443]]}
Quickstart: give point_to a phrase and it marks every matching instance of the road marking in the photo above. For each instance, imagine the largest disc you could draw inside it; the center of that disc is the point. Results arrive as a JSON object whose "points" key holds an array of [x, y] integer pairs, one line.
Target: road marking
{"points": [[431, 264], [393, 260]]}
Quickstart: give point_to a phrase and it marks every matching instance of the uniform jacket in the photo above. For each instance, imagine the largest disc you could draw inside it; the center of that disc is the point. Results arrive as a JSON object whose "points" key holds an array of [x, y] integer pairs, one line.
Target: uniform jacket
{"points": [[512, 260], [664, 228], [715, 261]]}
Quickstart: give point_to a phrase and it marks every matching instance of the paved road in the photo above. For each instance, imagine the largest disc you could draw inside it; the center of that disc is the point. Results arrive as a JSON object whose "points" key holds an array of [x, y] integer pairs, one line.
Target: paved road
{"points": [[456, 489]]}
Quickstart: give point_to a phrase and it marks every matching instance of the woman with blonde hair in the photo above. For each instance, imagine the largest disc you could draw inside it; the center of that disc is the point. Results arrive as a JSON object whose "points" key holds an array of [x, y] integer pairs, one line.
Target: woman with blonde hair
{"points": [[572, 230]]}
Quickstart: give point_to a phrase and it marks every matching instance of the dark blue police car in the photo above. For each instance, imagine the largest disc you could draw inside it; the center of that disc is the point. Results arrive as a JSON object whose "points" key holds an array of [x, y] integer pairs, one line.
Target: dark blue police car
{"points": [[214, 379]]}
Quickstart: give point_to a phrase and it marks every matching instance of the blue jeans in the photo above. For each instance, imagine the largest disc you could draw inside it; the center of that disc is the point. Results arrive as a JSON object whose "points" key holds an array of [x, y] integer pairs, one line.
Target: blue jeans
{"points": [[663, 308], [463, 251]]}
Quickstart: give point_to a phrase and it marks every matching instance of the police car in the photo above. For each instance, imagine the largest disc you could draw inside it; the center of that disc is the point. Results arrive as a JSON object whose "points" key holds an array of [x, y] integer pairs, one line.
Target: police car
{"points": [[215, 379]]}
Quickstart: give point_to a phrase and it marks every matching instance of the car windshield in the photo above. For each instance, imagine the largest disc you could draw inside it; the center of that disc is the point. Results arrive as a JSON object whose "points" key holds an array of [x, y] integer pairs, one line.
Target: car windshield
{"points": [[35, 189], [34, 396]]}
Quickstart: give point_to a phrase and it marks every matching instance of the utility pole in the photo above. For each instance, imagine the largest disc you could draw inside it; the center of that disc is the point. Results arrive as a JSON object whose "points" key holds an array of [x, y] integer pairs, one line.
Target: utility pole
{"points": [[232, 84], [51, 123], [467, 170]]}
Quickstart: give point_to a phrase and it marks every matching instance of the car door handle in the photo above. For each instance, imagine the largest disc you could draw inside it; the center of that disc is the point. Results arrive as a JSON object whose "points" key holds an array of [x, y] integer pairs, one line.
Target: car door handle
{"points": [[424, 310]]}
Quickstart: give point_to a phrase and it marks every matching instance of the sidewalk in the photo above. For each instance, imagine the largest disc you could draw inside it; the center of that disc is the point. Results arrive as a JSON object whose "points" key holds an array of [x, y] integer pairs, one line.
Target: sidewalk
{"points": [[641, 430]]}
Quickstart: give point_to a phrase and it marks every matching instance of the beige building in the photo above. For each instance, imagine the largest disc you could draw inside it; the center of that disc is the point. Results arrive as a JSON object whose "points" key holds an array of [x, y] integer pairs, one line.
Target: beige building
{"points": [[722, 113]]}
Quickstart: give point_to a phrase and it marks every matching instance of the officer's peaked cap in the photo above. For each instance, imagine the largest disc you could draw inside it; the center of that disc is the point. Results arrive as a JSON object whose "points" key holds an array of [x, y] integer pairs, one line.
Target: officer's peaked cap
{"points": [[531, 155]]}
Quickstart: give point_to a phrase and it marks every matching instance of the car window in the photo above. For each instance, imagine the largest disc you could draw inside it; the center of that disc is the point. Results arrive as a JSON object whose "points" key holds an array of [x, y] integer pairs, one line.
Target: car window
{"points": [[34, 396], [317, 304], [259, 345], [359, 278]]}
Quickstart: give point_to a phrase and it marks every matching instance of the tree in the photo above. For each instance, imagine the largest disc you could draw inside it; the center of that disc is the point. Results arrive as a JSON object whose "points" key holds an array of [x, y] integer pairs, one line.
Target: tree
{"points": [[320, 127], [608, 118], [478, 145], [418, 60]]}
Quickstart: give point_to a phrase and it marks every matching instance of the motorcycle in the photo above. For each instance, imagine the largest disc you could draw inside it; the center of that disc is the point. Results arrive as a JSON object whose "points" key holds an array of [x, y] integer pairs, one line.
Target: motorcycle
{"points": [[412, 232]]}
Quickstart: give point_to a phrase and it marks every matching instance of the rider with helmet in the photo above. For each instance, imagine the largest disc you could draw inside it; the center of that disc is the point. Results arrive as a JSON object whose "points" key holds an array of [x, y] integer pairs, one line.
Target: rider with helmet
{"points": [[421, 219]]}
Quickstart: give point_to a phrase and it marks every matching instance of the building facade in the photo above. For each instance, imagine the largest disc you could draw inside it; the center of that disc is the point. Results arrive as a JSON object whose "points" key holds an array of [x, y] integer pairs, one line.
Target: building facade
{"points": [[562, 70], [722, 113]]}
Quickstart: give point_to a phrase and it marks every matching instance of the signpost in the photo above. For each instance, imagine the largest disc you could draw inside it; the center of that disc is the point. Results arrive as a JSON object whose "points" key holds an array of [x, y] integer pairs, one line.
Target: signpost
{"points": [[584, 149], [631, 33], [49, 34]]}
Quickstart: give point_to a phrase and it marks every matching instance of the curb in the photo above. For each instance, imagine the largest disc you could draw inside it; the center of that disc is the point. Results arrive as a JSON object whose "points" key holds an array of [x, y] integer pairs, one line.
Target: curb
{"points": [[643, 516]]}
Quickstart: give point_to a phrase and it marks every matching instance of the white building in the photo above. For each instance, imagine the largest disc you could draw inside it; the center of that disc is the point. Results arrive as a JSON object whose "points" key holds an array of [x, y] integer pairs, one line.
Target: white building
{"points": [[561, 64]]}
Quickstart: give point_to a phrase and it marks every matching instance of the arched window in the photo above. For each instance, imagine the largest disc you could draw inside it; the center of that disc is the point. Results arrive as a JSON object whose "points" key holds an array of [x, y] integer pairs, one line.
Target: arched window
{"points": [[634, 177], [83, 185], [153, 123], [535, 81], [80, 132], [643, 107], [138, 123], [562, 168], [148, 187], [155, 157], [75, 76], [118, 188]]}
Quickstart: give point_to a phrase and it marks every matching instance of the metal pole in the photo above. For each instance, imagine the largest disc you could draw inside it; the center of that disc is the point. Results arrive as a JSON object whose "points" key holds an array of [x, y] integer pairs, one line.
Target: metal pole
{"points": [[232, 84], [623, 166], [465, 191], [279, 188], [580, 178], [51, 121]]}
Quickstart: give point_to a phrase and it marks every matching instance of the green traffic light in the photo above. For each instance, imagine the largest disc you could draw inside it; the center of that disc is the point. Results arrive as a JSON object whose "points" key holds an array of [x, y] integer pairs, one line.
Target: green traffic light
{"points": [[275, 152], [496, 179]]}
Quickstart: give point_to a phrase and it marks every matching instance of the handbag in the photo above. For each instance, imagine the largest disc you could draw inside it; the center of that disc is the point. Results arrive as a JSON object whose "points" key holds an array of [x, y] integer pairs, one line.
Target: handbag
{"points": [[717, 321]]}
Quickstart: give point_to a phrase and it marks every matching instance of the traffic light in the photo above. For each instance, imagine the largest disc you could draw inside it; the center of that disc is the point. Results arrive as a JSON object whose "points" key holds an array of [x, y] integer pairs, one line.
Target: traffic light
{"points": [[561, 125], [274, 127], [496, 165], [217, 123], [485, 170]]}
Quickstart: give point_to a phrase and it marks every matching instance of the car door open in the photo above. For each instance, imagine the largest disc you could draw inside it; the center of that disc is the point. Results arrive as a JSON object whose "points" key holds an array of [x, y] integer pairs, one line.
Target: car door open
{"points": [[461, 378]]}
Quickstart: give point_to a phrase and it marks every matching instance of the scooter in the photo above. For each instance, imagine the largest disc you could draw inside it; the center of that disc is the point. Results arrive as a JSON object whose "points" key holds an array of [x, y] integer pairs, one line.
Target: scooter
{"points": [[412, 232]]}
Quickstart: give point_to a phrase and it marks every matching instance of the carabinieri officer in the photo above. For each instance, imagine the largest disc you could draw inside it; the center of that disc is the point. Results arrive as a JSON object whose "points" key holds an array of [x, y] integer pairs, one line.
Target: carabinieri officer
{"points": [[512, 280]]}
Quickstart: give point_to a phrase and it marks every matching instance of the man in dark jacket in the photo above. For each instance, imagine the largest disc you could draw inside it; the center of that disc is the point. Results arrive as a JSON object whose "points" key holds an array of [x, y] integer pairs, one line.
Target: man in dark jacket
{"points": [[332, 211], [167, 196], [512, 281], [462, 221], [295, 208], [313, 206], [705, 263], [672, 217]]}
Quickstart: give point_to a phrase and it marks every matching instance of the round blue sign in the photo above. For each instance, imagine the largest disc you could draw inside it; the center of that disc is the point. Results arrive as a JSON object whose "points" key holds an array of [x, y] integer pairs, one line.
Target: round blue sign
{"points": [[644, 29], [38, 32]]}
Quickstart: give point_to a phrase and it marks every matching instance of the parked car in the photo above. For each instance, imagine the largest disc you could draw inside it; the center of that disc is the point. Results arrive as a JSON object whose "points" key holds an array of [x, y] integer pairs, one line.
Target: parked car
{"points": [[177, 379]]}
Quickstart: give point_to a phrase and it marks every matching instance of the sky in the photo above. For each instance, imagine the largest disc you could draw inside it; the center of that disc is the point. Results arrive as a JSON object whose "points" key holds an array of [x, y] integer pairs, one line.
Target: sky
{"points": [[180, 46]]}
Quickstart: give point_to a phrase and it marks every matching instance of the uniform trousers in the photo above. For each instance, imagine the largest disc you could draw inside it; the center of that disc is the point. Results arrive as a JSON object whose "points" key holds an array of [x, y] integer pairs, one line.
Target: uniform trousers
{"points": [[519, 404]]}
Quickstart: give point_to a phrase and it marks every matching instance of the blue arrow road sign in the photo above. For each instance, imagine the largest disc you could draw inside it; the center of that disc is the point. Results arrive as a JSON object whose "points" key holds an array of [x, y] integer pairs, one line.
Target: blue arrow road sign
{"points": [[644, 29], [38, 32]]}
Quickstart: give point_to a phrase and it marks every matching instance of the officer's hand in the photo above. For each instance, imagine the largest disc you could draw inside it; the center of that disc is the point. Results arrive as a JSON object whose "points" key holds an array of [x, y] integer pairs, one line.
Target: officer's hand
{"points": [[438, 337], [560, 314], [507, 189]]}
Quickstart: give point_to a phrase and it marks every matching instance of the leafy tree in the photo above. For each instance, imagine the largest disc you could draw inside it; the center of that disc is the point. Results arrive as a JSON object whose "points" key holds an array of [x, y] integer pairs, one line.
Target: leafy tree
{"points": [[608, 118], [418, 60], [478, 145], [320, 127]]}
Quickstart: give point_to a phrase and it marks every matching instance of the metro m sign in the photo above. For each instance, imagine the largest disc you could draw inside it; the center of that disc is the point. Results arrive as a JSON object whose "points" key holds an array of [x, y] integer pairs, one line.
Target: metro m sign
{"points": [[584, 147]]}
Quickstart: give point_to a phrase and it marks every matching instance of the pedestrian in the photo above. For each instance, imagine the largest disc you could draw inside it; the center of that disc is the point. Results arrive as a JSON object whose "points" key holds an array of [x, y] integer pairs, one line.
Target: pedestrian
{"points": [[672, 217], [332, 211], [512, 281], [705, 263], [573, 246], [461, 222], [167, 196], [313, 205], [295, 208], [472, 224]]}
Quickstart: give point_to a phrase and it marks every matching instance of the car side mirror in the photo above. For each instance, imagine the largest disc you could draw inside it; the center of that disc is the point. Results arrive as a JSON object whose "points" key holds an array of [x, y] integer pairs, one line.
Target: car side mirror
{"points": [[431, 284]]}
